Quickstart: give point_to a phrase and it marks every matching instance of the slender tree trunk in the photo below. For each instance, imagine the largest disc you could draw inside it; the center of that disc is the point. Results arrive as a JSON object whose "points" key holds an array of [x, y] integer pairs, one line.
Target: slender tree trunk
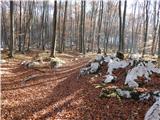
{"points": [[11, 31], [123, 27], [42, 27], [4, 30], [154, 27], [146, 30], [100, 23], [91, 25], [159, 46], [71, 26], [20, 25], [76, 26], [120, 26], [59, 27], [93, 38], [83, 36], [80, 29], [64, 28], [27, 25], [54, 30], [155, 23], [132, 49], [29, 41]]}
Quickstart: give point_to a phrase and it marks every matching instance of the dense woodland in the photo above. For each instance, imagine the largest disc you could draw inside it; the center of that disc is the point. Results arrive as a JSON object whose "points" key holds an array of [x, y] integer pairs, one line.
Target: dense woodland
{"points": [[80, 60], [84, 26]]}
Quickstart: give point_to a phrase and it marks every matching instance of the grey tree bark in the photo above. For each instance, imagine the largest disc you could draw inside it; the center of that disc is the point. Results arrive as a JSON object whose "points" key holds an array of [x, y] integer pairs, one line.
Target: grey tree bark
{"points": [[54, 30], [146, 28], [99, 25], [20, 26], [64, 28], [10, 55]]}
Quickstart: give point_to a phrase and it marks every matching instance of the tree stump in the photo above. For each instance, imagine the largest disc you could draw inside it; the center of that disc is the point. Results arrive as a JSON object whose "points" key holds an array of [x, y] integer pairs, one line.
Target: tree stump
{"points": [[120, 55]]}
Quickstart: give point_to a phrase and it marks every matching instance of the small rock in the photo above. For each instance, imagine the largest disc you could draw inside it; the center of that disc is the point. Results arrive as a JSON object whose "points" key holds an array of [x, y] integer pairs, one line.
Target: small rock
{"points": [[2, 61], [133, 84], [94, 67], [109, 78], [99, 58], [144, 96], [123, 93], [154, 112]]}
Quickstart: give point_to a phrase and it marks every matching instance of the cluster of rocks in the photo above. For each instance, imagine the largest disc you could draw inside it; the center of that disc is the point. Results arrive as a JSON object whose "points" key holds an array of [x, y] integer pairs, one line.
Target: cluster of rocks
{"points": [[51, 63], [129, 93], [137, 68]]}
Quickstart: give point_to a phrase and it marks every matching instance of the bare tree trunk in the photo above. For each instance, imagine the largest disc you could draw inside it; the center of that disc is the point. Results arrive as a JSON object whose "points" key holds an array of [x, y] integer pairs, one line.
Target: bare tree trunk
{"points": [[76, 25], [99, 25], [10, 55], [27, 25], [54, 30], [80, 29], [29, 41], [71, 26], [42, 26], [20, 25], [155, 26], [159, 46], [94, 30], [91, 24], [64, 28], [59, 27], [123, 27], [132, 49], [83, 40], [120, 26], [4, 29], [146, 29]]}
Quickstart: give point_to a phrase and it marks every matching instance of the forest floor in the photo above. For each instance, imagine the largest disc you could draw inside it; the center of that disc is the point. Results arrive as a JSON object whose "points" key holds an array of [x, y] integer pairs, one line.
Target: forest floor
{"points": [[60, 95]]}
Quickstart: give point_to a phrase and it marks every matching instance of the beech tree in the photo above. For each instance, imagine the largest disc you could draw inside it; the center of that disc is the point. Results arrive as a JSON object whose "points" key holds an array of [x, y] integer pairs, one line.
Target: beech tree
{"points": [[155, 26], [64, 29], [122, 26], [159, 46], [20, 25], [82, 28], [99, 25], [54, 30], [11, 31], [59, 27], [145, 28]]}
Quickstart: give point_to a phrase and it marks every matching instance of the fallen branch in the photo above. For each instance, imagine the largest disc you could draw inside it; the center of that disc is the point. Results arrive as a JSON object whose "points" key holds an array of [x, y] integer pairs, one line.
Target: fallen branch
{"points": [[28, 78]]}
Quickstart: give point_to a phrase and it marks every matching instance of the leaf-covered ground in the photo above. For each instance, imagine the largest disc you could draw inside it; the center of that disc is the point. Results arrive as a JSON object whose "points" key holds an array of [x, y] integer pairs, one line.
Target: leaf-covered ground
{"points": [[59, 94]]}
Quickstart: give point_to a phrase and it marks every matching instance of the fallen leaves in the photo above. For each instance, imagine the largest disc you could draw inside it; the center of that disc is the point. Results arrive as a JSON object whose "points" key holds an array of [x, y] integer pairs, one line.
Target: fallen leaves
{"points": [[58, 95]]}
